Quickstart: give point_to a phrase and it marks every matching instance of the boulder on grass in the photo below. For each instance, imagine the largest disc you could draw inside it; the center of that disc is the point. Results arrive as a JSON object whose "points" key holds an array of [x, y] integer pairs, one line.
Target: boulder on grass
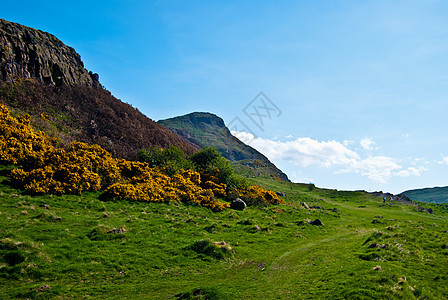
{"points": [[316, 222], [238, 204]]}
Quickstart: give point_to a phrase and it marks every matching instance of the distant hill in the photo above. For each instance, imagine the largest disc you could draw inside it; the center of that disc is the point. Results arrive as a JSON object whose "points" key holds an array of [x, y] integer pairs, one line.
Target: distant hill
{"points": [[41, 75], [431, 195], [206, 129]]}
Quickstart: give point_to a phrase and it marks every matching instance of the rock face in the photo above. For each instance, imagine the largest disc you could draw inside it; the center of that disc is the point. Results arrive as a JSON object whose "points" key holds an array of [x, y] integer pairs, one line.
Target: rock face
{"points": [[29, 53]]}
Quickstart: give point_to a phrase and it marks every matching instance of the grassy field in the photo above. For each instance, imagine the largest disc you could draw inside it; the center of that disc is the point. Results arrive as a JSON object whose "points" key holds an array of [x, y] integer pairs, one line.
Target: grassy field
{"points": [[81, 247]]}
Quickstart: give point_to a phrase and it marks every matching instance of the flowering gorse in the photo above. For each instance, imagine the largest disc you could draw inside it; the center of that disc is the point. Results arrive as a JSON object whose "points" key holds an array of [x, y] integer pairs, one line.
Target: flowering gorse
{"points": [[44, 168]]}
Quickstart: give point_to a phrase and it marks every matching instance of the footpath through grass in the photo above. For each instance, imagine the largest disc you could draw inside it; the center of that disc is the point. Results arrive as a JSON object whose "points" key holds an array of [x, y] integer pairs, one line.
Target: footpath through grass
{"points": [[81, 247]]}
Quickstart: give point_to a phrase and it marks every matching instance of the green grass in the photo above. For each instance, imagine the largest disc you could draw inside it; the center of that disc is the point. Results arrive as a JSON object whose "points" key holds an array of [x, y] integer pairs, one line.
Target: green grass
{"points": [[364, 250]]}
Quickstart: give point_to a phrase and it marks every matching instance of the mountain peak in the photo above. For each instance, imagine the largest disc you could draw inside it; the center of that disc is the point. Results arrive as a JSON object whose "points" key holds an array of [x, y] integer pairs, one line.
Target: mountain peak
{"points": [[30, 53], [204, 129], [198, 118]]}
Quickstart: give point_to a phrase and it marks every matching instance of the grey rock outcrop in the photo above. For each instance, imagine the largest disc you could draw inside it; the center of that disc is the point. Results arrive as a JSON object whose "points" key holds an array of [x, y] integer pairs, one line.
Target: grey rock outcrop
{"points": [[29, 53]]}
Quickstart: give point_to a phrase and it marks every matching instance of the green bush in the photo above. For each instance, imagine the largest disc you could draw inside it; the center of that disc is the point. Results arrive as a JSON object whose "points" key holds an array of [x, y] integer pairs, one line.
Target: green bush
{"points": [[171, 159], [210, 161]]}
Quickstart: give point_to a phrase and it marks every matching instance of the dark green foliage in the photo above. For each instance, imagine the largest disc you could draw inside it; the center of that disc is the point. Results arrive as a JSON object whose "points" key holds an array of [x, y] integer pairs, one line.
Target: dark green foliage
{"points": [[170, 158], [210, 161]]}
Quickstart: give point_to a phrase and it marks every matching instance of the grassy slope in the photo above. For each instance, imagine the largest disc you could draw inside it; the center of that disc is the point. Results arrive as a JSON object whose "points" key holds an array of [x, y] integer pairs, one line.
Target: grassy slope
{"points": [[275, 255], [432, 195]]}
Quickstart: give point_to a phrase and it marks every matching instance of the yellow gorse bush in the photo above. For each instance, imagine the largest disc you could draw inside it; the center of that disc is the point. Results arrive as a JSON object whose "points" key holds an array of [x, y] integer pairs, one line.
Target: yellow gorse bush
{"points": [[83, 167], [44, 168], [19, 143], [255, 194]]}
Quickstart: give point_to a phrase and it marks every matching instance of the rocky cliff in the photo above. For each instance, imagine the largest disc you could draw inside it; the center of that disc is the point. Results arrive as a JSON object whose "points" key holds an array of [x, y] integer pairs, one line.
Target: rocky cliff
{"points": [[42, 76], [29, 53]]}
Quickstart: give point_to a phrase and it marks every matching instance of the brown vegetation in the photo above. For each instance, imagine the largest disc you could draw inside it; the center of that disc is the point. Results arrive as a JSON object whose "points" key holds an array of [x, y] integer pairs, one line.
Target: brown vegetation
{"points": [[90, 115]]}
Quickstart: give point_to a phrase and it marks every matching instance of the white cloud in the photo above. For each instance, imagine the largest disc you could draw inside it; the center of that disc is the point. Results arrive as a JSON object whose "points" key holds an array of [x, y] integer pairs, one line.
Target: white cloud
{"points": [[305, 152], [301, 152], [444, 160], [288, 136], [367, 143], [347, 143], [298, 176], [376, 168], [411, 171]]}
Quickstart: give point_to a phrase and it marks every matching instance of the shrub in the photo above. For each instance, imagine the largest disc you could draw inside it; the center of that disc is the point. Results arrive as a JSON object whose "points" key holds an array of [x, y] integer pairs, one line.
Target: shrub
{"points": [[170, 159], [256, 195], [20, 144], [209, 162]]}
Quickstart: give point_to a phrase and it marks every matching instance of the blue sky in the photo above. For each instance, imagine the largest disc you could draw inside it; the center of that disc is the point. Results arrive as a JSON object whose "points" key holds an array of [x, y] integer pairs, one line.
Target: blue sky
{"points": [[361, 87]]}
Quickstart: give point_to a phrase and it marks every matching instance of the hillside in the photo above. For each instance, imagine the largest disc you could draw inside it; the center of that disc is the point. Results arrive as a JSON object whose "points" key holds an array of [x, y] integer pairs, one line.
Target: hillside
{"points": [[41, 75], [431, 195], [208, 130], [60, 247]]}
